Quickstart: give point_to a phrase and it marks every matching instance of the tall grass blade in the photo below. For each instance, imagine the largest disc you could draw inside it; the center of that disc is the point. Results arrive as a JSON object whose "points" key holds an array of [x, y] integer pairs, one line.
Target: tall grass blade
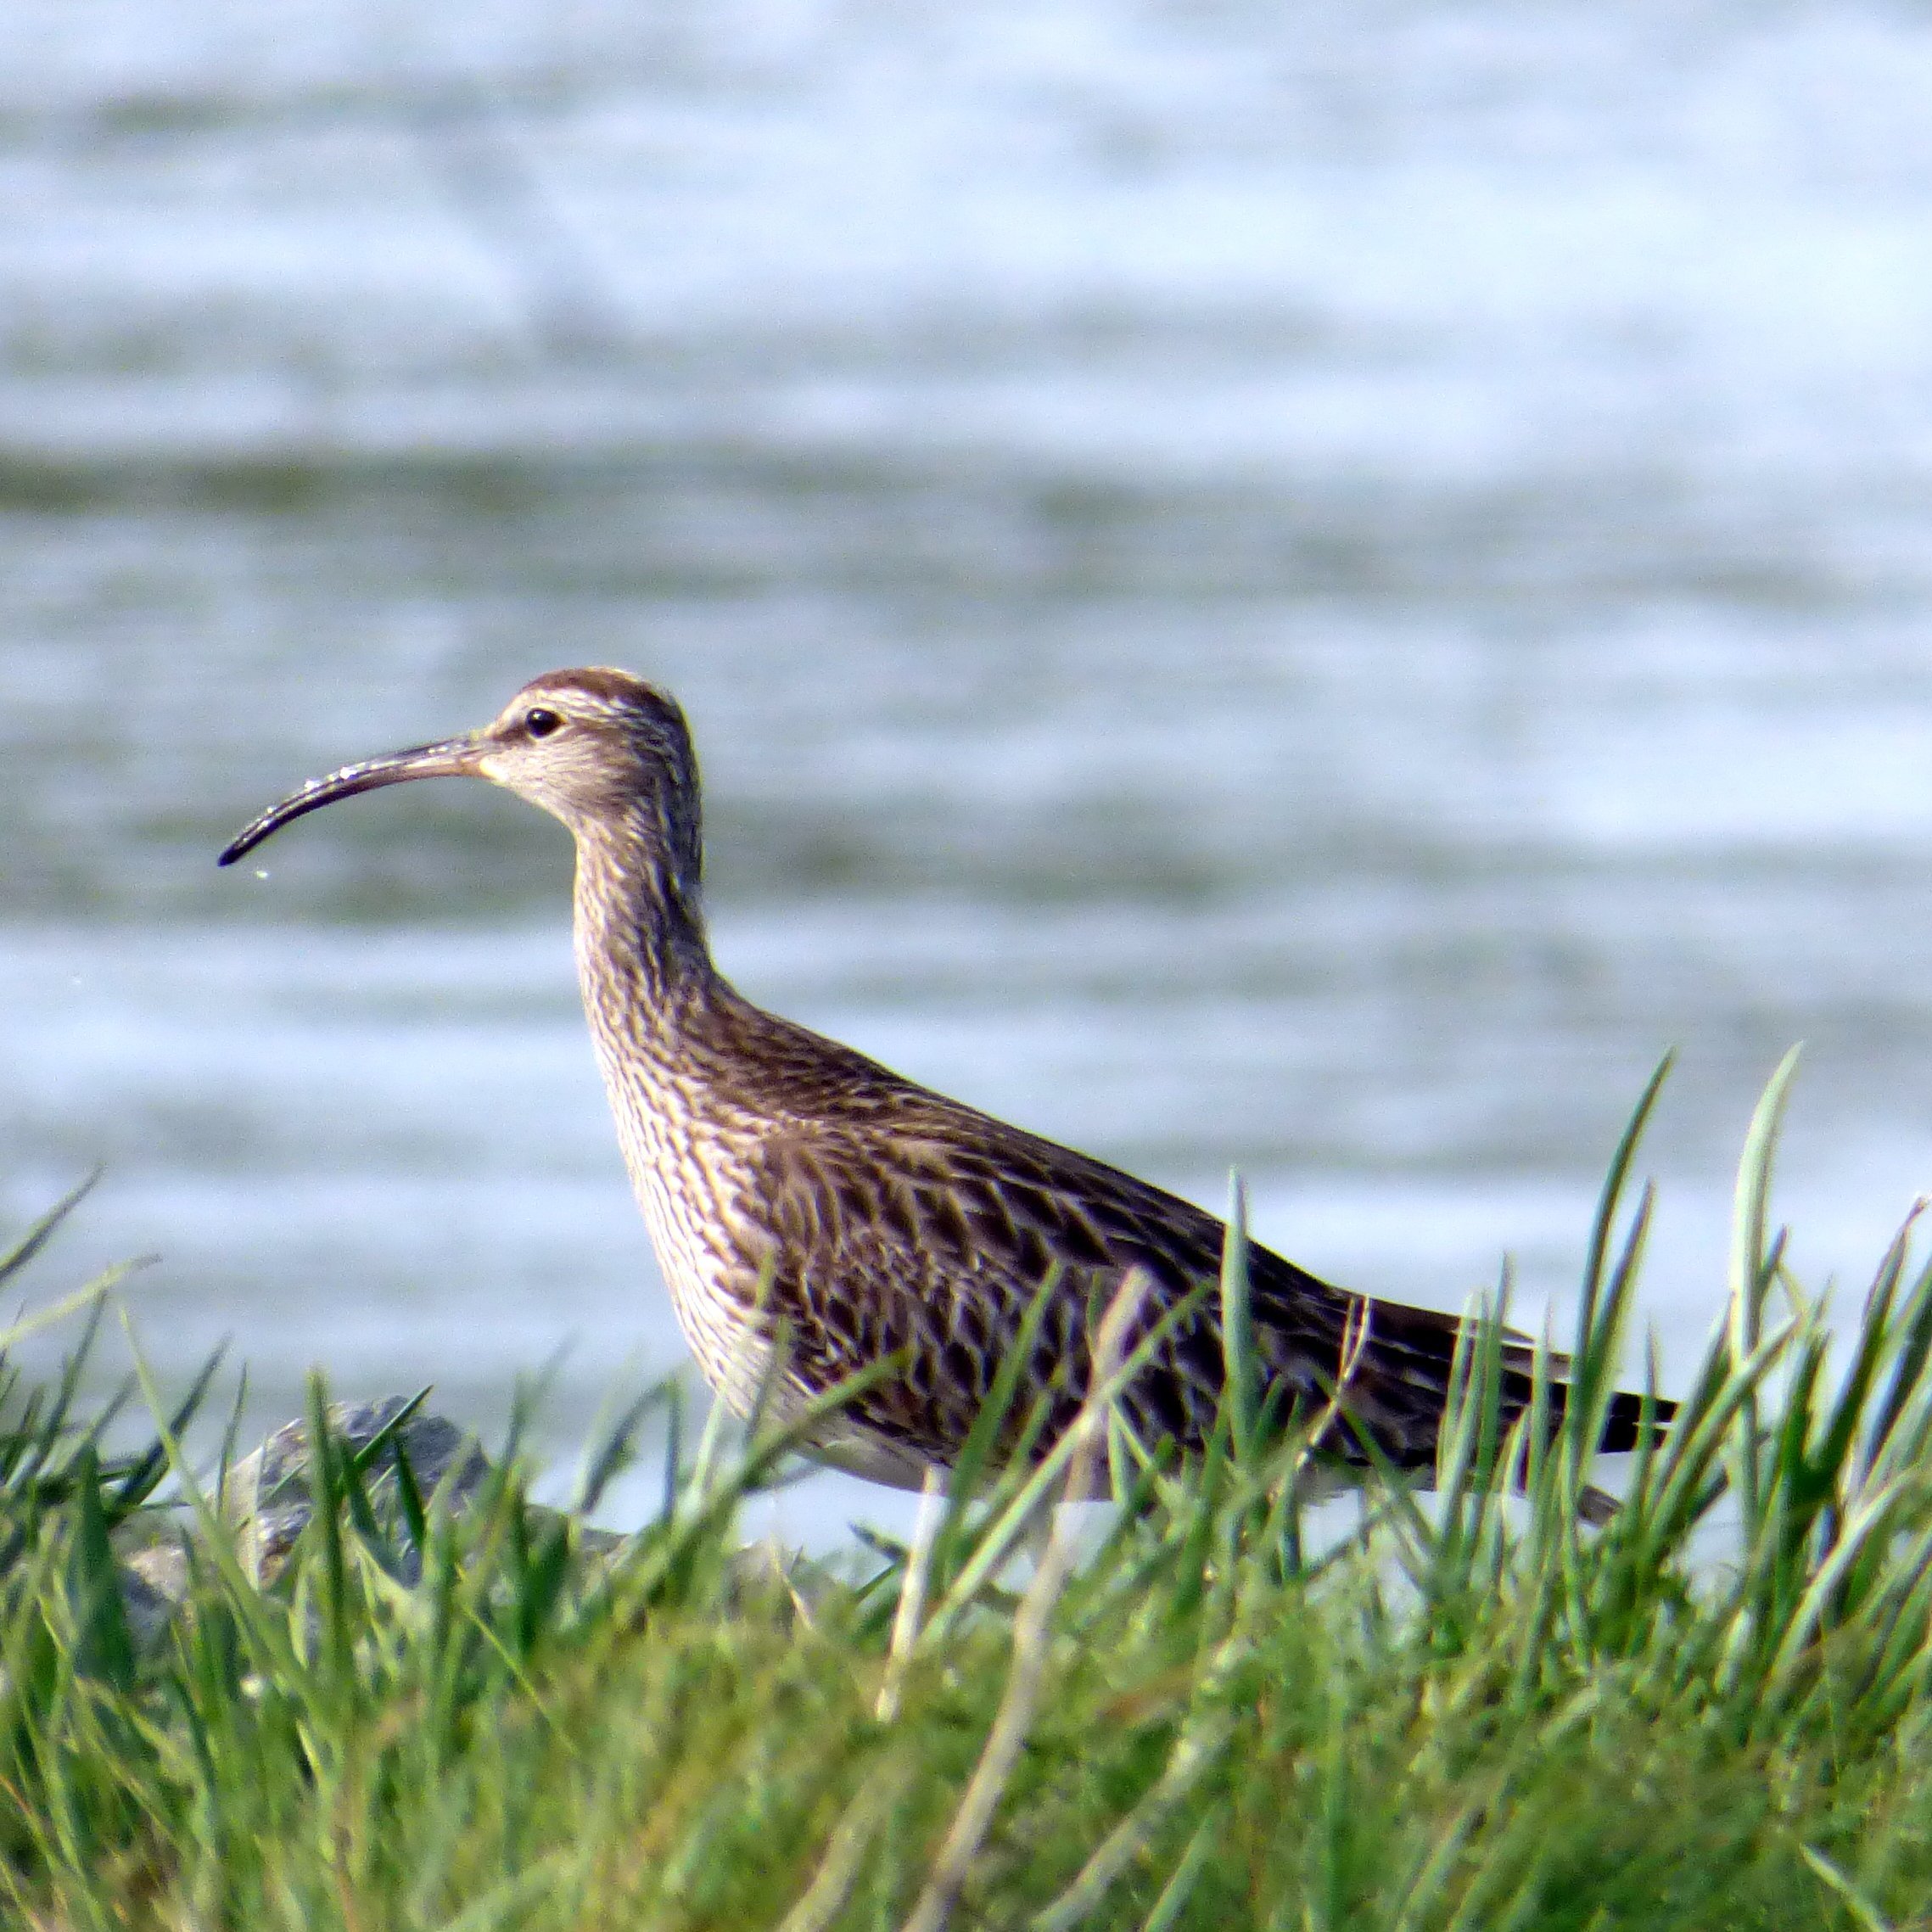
{"points": [[1609, 1200], [40, 1232], [1754, 1264], [103, 1644]]}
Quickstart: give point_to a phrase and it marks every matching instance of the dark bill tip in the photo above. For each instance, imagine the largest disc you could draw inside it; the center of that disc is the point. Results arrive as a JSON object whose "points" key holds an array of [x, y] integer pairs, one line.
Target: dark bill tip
{"points": [[454, 758]]}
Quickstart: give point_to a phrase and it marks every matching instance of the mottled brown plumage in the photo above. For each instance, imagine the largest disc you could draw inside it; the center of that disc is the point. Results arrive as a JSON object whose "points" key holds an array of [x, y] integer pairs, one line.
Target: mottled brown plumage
{"points": [[791, 1184]]}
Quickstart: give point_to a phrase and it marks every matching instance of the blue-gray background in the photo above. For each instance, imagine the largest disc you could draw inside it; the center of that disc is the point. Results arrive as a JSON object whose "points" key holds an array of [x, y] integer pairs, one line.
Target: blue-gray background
{"points": [[1306, 588]]}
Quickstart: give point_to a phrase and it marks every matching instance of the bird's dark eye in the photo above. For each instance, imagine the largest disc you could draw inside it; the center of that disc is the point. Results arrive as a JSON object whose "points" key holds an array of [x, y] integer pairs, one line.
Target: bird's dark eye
{"points": [[540, 722]]}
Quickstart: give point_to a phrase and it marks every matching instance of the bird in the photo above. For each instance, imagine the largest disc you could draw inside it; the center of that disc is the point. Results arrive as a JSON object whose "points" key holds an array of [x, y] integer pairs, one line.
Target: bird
{"points": [[816, 1216]]}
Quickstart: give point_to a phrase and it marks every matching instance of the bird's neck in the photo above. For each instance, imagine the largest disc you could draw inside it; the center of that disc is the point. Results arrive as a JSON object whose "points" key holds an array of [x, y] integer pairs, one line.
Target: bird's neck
{"points": [[642, 957]]}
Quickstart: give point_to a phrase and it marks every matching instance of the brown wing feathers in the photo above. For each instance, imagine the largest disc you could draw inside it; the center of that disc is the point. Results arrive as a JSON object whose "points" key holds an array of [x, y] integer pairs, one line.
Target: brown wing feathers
{"points": [[931, 1233]]}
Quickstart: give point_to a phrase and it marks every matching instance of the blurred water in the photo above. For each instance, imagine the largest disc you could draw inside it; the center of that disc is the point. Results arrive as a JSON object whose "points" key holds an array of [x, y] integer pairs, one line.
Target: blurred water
{"points": [[1300, 591]]}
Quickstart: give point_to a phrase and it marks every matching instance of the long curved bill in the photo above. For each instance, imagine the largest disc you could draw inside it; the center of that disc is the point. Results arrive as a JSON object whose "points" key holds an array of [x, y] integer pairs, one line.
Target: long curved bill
{"points": [[454, 758]]}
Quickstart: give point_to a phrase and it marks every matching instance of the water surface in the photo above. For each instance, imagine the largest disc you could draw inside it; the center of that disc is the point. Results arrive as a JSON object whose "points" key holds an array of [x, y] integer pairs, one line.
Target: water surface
{"points": [[1307, 594]]}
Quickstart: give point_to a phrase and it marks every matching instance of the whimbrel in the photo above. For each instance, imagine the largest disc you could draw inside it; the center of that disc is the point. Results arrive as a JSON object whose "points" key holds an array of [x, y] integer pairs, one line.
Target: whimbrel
{"points": [[787, 1179]]}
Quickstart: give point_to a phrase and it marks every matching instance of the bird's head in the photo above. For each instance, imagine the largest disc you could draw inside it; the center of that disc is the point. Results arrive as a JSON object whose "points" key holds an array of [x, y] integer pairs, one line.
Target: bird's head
{"points": [[594, 748]]}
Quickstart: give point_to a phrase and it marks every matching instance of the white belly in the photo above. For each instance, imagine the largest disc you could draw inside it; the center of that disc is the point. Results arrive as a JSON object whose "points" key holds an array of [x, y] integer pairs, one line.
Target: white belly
{"points": [[695, 1261], [685, 1201]]}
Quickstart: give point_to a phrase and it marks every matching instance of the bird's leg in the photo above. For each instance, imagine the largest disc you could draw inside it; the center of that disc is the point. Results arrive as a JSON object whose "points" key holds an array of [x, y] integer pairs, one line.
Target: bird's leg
{"points": [[912, 1591]]}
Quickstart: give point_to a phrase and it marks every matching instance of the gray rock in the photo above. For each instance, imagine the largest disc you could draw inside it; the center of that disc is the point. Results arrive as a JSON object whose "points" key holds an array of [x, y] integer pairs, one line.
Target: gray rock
{"points": [[265, 1500], [267, 1495], [153, 1582]]}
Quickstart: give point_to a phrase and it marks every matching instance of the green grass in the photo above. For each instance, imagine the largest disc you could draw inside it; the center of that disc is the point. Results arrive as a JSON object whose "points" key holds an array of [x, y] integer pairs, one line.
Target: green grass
{"points": [[1470, 1714]]}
